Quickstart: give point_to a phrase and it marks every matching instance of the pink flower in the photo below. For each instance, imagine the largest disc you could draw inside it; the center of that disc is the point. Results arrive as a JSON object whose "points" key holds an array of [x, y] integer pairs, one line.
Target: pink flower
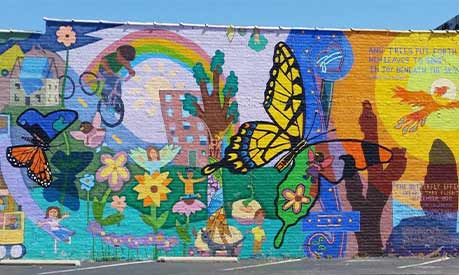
{"points": [[118, 203], [113, 170], [295, 199], [188, 207], [66, 36]]}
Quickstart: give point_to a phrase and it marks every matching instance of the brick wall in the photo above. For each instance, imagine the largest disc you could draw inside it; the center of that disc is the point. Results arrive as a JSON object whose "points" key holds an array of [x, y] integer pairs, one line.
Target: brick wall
{"points": [[186, 141]]}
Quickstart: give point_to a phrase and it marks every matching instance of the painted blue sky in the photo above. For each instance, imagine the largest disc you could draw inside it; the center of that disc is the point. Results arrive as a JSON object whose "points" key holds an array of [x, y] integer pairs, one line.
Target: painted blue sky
{"points": [[392, 14]]}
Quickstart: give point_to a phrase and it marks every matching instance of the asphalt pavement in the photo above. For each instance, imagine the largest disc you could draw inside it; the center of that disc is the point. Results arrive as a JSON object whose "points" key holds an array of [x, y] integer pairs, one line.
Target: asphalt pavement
{"points": [[361, 266]]}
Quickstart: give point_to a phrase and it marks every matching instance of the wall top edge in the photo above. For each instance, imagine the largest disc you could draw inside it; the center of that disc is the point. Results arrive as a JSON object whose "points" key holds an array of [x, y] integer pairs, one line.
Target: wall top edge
{"points": [[266, 28]]}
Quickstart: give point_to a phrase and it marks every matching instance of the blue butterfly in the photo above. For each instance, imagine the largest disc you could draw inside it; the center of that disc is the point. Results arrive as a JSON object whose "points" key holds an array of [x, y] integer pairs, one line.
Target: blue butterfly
{"points": [[43, 129]]}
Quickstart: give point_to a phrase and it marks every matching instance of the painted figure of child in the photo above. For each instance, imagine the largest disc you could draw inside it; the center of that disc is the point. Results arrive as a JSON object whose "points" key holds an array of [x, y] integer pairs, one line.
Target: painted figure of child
{"points": [[112, 64], [53, 217], [189, 184], [258, 232]]}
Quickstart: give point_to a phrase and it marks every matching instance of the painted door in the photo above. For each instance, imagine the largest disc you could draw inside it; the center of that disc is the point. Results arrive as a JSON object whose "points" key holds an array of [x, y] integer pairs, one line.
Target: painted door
{"points": [[192, 158]]}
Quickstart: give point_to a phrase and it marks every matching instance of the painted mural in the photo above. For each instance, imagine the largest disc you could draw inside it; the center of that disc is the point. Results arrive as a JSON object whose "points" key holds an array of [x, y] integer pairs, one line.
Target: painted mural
{"points": [[123, 142]]}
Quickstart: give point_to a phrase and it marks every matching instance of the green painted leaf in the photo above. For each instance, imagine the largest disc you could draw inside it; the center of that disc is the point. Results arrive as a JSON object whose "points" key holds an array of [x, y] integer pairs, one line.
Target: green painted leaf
{"points": [[162, 219], [183, 234], [218, 175], [246, 202], [98, 210], [147, 219], [112, 219], [292, 179]]}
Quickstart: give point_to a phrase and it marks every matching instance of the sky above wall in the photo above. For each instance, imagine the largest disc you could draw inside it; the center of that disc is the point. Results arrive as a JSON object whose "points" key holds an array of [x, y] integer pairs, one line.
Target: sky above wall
{"points": [[392, 14]]}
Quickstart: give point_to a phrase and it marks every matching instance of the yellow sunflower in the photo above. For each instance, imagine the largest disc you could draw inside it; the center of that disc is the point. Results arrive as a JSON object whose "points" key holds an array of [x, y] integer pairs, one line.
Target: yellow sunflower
{"points": [[152, 189]]}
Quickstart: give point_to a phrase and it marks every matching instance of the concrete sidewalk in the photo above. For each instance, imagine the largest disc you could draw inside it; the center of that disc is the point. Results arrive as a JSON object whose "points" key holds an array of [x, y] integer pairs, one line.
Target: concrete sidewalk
{"points": [[362, 266]]}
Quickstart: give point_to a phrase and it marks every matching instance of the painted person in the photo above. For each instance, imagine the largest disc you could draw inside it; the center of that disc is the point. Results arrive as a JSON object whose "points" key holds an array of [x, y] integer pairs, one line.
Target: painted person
{"points": [[53, 217], [258, 232], [189, 182], [112, 64]]}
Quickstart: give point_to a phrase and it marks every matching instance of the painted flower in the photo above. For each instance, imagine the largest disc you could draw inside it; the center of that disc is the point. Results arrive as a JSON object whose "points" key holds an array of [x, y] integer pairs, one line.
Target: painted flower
{"points": [[66, 36], [117, 241], [129, 241], [168, 243], [153, 189], [113, 170], [188, 207], [87, 182], [295, 199], [118, 203], [94, 228], [108, 239]]}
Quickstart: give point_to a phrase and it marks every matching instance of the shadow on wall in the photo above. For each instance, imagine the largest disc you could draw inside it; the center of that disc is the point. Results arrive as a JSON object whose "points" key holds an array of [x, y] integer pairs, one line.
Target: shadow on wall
{"points": [[436, 230]]}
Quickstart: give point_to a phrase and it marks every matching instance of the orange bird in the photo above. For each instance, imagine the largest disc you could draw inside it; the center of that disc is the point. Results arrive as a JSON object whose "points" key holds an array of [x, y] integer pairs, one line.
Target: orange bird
{"points": [[424, 103]]}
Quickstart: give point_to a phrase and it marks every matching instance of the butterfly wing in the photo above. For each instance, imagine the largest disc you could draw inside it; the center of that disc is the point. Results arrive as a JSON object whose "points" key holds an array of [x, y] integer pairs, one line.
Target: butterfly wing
{"points": [[34, 159], [284, 95], [46, 127], [255, 144], [363, 153], [39, 170], [258, 142], [21, 156]]}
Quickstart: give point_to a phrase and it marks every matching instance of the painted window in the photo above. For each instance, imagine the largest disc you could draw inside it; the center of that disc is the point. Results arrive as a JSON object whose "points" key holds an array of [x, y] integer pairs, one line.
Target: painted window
{"points": [[175, 139], [170, 112], [186, 125], [202, 140], [189, 139], [168, 98]]}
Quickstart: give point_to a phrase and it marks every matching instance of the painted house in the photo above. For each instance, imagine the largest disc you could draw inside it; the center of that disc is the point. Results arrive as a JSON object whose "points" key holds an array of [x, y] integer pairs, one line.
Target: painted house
{"points": [[184, 129], [34, 82]]}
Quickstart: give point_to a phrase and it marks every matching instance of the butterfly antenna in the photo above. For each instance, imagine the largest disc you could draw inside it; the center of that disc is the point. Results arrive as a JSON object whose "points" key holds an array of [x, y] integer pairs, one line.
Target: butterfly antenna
{"points": [[57, 145], [319, 135], [312, 126]]}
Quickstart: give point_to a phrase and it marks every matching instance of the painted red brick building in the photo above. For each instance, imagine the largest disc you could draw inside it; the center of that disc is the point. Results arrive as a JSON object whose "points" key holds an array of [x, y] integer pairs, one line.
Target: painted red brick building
{"points": [[184, 129]]}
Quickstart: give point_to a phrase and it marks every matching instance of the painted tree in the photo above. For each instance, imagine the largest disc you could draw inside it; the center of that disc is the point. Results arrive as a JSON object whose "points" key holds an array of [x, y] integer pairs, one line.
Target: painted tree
{"points": [[370, 201], [218, 110]]}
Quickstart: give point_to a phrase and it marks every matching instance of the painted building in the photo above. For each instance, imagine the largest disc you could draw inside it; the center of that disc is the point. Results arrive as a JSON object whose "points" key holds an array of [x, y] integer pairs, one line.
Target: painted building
{"points": [[270, 142], [34, 82], [183, 129]]}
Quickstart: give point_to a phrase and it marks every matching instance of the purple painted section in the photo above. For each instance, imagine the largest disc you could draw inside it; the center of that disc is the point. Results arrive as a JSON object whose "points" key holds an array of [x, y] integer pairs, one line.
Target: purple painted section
{"points": [[18, 188]]}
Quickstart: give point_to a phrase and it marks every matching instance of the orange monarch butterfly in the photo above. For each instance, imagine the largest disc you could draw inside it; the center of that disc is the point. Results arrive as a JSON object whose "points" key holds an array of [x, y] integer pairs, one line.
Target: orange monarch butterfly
{"points": [[43, 129]]}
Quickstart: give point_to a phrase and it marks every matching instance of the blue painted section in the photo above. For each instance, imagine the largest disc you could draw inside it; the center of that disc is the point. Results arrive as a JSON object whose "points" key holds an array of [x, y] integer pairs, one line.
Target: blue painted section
{"points": [[332, 221], [322, 55]]}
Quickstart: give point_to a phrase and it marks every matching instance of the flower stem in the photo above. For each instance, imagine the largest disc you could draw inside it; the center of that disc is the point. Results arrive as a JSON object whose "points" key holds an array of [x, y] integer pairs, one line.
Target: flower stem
{"points": [[155, 230], [87, 207], [106, 194], [187, 228], [66, 140], [67, 143], [65, 77]]}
